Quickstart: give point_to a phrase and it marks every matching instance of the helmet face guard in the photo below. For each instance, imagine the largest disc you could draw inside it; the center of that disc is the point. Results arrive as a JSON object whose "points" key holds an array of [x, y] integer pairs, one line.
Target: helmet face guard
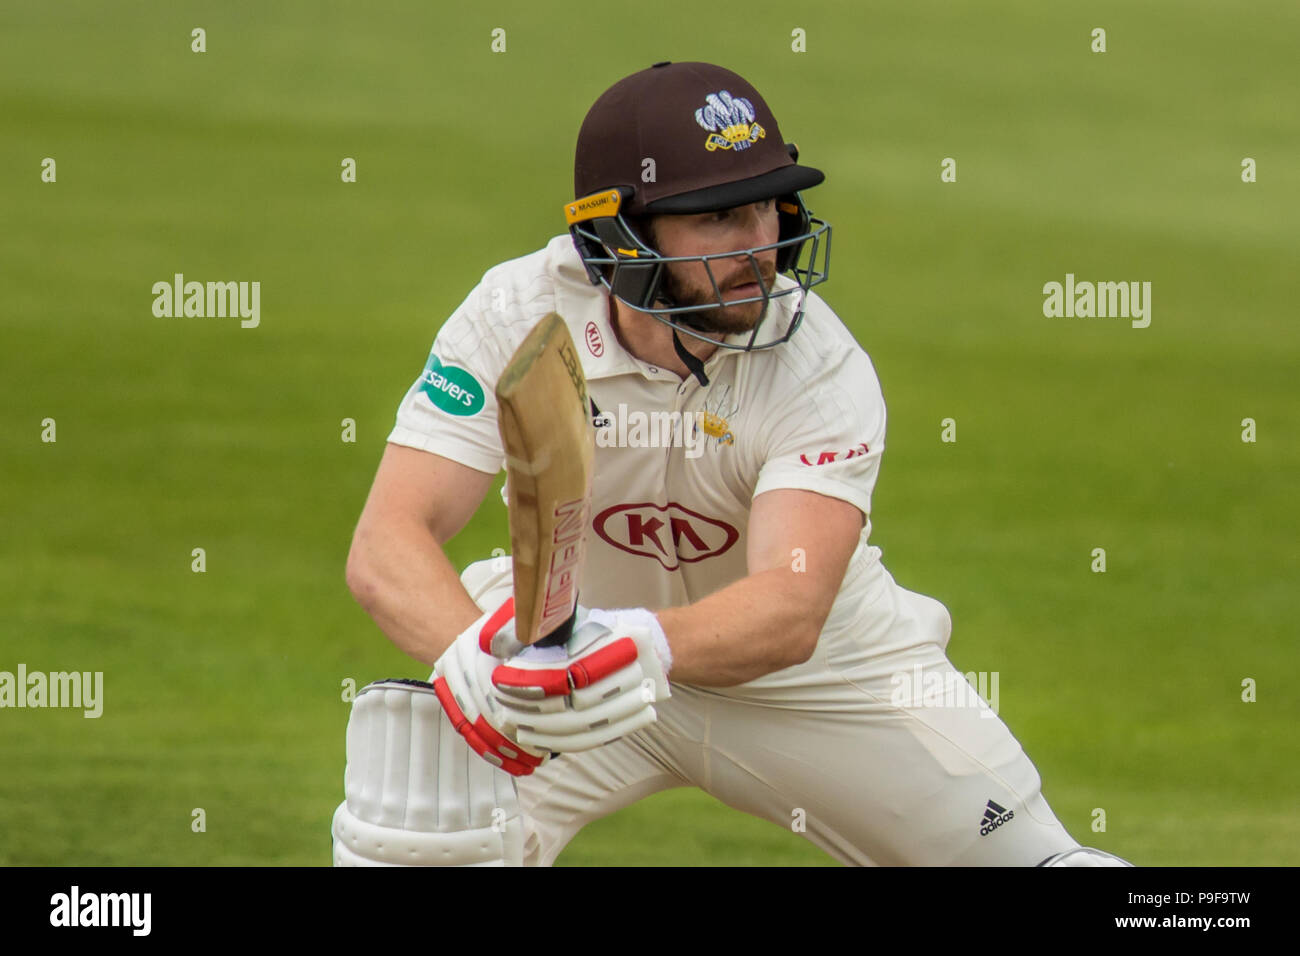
{"points": [[607, 243]]}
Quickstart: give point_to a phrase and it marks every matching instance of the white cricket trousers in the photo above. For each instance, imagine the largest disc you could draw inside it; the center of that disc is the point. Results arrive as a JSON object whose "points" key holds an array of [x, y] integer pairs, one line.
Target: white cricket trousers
{"points": [[872, 779], [869, 782]]}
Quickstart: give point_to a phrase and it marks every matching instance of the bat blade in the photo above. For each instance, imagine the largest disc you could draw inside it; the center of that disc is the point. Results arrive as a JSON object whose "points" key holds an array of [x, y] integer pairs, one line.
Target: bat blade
{"points": [[546, 432]]}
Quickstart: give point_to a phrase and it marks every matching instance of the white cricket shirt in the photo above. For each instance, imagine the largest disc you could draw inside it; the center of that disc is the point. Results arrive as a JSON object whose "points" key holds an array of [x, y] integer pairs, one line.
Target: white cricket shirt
{"points": [[670, 508]]}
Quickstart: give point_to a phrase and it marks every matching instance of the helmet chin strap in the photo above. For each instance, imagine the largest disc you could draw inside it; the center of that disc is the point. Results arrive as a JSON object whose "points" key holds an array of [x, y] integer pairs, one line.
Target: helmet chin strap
{"points": [[693, 364]]}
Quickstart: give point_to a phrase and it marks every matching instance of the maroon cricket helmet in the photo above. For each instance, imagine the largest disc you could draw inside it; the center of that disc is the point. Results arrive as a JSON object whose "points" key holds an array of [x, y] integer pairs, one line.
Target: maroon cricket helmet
{"points": [[678, 139], [687, 138]]}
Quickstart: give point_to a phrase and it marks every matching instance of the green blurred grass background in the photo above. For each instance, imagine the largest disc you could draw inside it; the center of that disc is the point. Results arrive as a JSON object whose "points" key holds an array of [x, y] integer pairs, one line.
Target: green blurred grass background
{"points": [[223, 689]]}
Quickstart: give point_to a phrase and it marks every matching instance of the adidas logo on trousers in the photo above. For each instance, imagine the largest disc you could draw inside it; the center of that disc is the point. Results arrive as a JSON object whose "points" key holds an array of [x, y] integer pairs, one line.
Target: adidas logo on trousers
{"points": [[994, 817]]}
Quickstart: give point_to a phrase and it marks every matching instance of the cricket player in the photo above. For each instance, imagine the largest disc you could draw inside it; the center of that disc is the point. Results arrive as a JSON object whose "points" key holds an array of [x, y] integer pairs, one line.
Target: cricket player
{"points": [[737, 630]]}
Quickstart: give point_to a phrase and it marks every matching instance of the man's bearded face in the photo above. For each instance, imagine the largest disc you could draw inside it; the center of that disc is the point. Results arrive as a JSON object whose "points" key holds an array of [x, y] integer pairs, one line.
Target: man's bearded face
{"points": [[687, 283]]}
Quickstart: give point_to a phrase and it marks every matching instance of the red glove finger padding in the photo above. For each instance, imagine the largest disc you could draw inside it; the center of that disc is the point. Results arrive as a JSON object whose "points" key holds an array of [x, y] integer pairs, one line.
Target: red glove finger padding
{"points": [[560, 681], [483, 738]]}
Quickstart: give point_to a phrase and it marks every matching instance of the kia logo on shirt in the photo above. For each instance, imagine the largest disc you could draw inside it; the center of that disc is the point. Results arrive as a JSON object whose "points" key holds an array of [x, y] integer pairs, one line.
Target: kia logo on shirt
{"points": [[671, 534], [595, 344]]}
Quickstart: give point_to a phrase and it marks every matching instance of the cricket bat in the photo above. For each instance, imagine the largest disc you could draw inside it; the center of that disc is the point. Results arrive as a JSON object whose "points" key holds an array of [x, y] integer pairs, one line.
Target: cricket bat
{"points": [[546, 431]]}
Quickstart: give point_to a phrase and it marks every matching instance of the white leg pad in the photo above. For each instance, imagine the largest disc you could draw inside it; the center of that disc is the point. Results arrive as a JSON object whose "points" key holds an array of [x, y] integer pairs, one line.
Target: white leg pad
{"points": [[416, 795]]}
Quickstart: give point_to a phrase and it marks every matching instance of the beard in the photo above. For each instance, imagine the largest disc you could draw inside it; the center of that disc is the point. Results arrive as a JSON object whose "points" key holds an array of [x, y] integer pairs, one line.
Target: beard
{"points": [[727, 320]]}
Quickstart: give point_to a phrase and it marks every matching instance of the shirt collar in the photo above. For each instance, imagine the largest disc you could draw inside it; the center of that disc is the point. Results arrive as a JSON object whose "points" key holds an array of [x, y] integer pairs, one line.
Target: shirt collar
{"points": [[585, 309]]}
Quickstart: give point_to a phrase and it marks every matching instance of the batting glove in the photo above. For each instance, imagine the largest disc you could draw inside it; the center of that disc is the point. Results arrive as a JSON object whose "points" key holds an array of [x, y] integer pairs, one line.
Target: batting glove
{"points": [[600, 685], [462, 679]]}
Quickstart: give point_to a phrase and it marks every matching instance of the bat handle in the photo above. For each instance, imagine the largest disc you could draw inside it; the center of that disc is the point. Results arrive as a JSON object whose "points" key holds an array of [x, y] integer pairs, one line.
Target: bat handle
{"points": [[562, 633]]}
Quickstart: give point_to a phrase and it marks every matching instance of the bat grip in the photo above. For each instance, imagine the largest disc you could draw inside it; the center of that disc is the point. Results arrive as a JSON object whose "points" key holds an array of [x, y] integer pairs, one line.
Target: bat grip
{"points": [[562, 633]]}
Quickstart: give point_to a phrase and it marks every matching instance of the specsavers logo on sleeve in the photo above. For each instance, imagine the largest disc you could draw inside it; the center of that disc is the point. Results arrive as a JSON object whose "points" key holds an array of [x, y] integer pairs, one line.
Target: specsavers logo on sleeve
{"points": [[451, 388]]}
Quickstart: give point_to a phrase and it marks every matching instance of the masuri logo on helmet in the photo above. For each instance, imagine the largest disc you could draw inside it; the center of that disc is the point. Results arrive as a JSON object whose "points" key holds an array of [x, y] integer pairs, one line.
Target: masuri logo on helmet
{"points": [[656, 114]]}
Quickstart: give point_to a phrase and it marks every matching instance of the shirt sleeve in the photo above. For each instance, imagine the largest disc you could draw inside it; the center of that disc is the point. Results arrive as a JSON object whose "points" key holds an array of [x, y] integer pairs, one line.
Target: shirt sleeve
{"points": [[451, 408], [831, 435]]}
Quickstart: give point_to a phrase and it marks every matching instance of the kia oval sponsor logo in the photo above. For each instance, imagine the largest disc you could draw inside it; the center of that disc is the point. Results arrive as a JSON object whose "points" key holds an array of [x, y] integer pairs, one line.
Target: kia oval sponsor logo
{"points": [[595, 344], [671, 534]]}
